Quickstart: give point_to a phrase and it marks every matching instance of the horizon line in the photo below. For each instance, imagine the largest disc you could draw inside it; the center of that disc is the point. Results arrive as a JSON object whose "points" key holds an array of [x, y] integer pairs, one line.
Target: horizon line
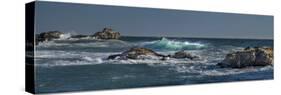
{"points": [[178, 36]]}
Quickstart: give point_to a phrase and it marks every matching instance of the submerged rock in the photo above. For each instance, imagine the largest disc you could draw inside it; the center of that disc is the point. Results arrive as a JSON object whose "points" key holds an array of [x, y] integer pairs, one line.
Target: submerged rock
{"points": [[107, 33], [136, 53], [183, 54], [248, 57], [48, 36]]}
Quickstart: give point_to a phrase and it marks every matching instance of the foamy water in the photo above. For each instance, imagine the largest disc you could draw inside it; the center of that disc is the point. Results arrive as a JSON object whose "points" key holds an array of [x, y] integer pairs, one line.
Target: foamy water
{"points": [[85, 60]]}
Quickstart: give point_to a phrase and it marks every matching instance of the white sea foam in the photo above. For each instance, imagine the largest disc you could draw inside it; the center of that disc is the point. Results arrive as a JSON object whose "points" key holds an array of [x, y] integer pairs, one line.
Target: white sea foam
{"points": [[71, 58], [167, 44], [83, 43], [218, 71], [65, 36], [122, 77], [64, 58], [67, 63]]}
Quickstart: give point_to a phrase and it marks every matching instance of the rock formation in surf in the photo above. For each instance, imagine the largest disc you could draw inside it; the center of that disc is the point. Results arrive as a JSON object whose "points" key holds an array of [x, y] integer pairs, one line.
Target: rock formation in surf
{"points": [[184, 54], [144, 53], [107, 33], [248, 57], [48, 36], [136, 53]]}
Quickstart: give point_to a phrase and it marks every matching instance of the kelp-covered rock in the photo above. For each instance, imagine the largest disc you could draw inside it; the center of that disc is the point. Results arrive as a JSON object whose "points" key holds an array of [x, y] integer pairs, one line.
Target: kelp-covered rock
{"points": [[248, 57], [136, 53], [184, 54], [107, 33]]}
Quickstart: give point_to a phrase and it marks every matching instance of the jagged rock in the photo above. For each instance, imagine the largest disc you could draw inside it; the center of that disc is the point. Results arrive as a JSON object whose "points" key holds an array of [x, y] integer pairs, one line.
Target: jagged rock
{"points": [[183, 54], [107, 33], [48, 36], [248, 57], [136, 53]]}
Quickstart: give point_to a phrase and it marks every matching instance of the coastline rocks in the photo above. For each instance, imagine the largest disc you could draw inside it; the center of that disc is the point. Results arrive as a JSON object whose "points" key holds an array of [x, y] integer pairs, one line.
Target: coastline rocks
{"points": [[144, 53], [248, 57], [137, 53], [183, 54], [107, 33], [48, 36]]}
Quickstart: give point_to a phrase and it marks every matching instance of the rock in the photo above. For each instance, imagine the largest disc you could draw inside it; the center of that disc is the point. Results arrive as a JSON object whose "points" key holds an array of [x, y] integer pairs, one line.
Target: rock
{"points": [[247, 48], [48, 36], [79, 36], [144, 53], [264, 56], [107, 33], [115, 56], [183, 54], [248, 57], [136, 53]]}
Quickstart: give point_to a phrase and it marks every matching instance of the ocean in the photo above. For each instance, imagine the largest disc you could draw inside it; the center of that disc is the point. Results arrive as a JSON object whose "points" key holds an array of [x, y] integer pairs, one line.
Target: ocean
{"points": [[81, 64]]}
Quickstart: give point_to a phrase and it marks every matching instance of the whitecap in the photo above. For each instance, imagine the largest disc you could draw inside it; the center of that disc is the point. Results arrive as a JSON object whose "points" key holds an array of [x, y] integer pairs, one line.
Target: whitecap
{"points": [[166, 44], [65, 36]]}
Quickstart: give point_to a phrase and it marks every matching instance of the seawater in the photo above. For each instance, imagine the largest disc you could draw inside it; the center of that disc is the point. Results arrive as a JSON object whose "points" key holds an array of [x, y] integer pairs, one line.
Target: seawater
{"points": [[80, 64]]}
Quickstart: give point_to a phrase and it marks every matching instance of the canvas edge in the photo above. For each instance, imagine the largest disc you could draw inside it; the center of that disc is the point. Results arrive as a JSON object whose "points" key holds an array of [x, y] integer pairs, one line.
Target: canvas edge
{"points": [[29, 47]]}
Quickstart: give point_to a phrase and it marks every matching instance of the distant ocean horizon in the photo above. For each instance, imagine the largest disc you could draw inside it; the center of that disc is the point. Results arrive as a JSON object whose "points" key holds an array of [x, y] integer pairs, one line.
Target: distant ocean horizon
{"points": [[198, 37]]}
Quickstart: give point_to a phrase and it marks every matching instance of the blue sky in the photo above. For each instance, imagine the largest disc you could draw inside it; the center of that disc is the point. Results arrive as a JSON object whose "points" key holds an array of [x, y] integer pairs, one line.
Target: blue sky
{"points": [[130, 21]]}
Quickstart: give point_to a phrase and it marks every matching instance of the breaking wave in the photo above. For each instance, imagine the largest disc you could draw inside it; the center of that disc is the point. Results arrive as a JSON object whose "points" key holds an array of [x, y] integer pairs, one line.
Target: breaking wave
{"points": [[50, 58], [163, 44], [65, 36], [166, 44]]}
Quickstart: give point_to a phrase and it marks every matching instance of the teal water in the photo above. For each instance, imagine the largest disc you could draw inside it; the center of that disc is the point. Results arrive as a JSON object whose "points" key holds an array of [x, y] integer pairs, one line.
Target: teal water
{"points": [[80, 64]]}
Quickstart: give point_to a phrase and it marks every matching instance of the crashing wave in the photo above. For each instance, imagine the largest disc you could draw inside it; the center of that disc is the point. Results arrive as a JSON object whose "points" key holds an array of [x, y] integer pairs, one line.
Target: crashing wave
{"points": [[165, 43], [64, 36]]}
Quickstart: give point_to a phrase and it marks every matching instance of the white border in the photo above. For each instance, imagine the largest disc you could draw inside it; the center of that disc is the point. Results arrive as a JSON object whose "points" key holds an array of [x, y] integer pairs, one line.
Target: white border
{"points": [[12, 47]]}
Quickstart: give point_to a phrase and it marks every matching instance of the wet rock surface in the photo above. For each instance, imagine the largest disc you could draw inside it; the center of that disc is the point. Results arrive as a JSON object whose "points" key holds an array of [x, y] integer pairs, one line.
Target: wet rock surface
{"points": [[248, 57], [107, 33]]}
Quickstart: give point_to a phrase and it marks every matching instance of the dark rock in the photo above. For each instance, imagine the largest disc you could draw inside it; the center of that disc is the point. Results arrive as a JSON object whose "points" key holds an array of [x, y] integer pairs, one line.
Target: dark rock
{"points": [[48, 36], [248, 57], [136, 53], [107, 33], [79, 36], [247, 48], [114, 56], [183, 54], [264, 56]]}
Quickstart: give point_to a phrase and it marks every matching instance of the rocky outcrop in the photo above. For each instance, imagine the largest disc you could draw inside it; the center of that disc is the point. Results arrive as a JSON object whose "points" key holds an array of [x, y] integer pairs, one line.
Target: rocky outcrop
{"points": [[144, 53], [184, 54], [48, 36], [136, 53], [248, 57], [107, 33]]}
